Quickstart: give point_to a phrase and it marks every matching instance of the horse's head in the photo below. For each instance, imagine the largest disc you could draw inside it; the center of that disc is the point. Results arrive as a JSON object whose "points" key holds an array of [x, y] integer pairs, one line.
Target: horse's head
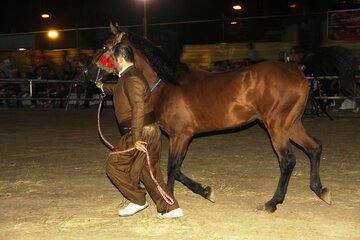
{"points": [[102, 63], [149, 59]]}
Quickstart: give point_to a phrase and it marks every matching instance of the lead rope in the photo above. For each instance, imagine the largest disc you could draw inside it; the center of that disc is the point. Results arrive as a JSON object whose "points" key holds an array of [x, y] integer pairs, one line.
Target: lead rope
{"points": [[169, 200]]}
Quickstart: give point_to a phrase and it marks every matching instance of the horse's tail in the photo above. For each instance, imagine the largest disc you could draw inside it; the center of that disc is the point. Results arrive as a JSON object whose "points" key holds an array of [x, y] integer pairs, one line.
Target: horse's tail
{"points": [[347, 65], [335, 60]]}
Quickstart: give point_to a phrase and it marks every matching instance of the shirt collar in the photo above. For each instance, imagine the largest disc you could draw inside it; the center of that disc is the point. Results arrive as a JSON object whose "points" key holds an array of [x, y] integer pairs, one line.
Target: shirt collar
{"points": [[123, 70]]}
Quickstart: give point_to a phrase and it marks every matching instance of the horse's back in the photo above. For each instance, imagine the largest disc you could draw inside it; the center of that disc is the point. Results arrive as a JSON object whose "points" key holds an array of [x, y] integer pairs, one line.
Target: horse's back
{"points": [[264, 78], [276, 72]]}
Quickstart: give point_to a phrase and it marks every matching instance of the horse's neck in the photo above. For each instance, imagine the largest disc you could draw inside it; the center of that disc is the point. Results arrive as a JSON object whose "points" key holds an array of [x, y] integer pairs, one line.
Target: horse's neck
{"points": [[152, 78], [144, 67]]}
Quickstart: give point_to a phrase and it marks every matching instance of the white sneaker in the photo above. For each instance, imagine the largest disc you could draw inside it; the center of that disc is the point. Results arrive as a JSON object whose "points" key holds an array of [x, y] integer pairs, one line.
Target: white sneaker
{"points": [[176, 213], [131, 209]]}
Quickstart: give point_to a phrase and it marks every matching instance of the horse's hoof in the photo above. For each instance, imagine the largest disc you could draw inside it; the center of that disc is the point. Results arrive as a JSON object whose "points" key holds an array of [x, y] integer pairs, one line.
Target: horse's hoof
{"points": [[267, 208], [326, 196], [209, 194]]}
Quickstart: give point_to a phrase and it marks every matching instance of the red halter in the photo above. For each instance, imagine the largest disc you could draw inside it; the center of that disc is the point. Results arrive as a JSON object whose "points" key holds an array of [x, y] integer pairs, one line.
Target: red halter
{"points": [[105, 60]]}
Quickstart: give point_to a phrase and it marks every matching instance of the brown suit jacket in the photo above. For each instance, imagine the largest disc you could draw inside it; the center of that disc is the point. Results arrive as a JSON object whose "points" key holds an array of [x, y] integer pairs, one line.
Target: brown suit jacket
{"points": [[131, 97]]}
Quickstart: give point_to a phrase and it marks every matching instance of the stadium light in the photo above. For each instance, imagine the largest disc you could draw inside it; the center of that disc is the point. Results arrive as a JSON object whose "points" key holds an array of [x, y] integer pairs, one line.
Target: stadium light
{"points": [[45, 15], [237, 7], [53, 34]]}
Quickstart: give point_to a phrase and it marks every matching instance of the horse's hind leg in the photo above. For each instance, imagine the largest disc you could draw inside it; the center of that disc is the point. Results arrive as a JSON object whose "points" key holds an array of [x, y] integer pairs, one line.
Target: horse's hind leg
{"points": [[313, 148], [178, 148], [287, 162]]}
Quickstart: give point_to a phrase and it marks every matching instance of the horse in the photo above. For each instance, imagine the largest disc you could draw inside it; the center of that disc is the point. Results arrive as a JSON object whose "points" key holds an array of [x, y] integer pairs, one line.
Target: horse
{"points": [[189, 101]]}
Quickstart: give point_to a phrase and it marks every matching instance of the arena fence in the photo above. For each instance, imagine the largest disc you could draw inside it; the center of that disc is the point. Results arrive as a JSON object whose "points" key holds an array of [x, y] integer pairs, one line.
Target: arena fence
{"points": [[20, 92], [76, 92]]}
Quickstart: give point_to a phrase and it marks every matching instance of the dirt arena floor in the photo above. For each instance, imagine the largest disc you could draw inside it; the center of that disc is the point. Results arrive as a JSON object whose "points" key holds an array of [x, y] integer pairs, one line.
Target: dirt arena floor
{"points": [[53, 183]]}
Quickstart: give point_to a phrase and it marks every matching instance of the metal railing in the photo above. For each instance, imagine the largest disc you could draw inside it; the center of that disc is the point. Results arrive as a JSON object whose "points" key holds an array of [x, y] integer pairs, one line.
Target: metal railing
{"points": [[325, 78], [316, 95], [73, 92]]}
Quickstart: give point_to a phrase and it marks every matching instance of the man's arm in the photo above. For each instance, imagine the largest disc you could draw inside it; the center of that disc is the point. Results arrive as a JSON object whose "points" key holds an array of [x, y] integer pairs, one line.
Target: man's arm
{"points": [[134, 89], [108, 88]]}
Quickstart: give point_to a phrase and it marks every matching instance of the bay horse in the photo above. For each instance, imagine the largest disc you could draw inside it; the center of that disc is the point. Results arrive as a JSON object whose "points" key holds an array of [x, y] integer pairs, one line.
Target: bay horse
{"points": [[189, 101]]}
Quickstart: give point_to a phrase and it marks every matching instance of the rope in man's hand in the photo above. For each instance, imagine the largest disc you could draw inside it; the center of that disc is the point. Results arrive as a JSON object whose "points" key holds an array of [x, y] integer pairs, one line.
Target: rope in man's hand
{"points": [[141, 146]]}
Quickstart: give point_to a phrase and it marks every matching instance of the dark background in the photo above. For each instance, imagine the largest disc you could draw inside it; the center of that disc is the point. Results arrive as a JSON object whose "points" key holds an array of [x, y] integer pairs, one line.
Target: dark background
{"points": [[255, 21], [24, 16]]}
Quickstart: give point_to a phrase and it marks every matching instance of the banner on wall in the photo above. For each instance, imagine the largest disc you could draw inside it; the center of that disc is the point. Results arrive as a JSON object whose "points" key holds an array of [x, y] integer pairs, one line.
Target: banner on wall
{"points": [[344, 25]]}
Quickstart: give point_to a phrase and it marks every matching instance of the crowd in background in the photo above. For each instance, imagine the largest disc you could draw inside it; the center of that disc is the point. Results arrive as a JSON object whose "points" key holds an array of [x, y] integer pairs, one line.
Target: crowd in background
{"points": [[225, 65], [293, 55], [43, 67]]}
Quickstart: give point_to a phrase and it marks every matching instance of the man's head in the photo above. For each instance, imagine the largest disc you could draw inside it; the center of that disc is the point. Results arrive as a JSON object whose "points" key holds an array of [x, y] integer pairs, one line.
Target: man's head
{"points": [[122, 56]]}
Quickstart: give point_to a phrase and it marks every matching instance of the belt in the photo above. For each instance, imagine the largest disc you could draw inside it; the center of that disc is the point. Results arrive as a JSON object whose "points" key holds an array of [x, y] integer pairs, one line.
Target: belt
{"points": [[125, 126]]}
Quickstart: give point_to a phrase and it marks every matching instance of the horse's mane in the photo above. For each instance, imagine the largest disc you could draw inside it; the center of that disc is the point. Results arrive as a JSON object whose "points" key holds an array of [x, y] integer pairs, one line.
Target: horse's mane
{"points": [[164, 67]]}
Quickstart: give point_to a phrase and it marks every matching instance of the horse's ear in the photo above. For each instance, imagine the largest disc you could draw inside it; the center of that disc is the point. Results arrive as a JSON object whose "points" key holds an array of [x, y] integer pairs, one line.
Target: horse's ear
{"points": [[113, 28]]}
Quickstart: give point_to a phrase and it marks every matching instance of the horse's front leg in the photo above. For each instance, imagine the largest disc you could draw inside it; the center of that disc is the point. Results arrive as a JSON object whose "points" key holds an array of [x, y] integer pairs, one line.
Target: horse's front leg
{"points": [[177, 152]]}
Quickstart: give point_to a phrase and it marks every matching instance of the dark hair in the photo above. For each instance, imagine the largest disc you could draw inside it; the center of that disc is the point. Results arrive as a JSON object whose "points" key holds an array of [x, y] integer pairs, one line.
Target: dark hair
{"points": [[126, 52]]}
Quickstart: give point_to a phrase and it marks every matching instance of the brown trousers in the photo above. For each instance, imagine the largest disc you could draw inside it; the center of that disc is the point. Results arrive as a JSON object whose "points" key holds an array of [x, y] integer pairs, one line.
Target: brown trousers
{"points": [[128, 169]]}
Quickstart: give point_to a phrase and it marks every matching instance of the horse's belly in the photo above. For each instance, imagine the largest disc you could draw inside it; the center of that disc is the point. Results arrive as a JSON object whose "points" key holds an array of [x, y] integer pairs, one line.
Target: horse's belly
{"points": [[225, 118]]}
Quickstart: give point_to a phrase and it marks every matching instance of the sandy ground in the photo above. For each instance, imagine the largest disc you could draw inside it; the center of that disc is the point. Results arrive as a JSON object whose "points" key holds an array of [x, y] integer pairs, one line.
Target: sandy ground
{"points": [[53, 185]]}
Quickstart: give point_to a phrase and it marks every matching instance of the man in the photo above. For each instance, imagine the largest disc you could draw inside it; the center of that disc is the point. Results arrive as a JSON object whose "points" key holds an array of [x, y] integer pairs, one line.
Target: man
{"points": [[253, 55], [134, 113]]}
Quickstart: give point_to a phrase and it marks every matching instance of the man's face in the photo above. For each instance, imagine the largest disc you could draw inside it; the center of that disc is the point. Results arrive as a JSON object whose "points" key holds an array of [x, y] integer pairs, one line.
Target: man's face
{"points": [[118, 63]]}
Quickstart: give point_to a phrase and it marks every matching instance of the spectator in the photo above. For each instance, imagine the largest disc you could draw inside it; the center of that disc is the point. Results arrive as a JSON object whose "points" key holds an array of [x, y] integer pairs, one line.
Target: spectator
{"points": [[253, 55], [51, 88], [31, 74], [8, 70], [39, 59], [282, 56], [295, 55]]}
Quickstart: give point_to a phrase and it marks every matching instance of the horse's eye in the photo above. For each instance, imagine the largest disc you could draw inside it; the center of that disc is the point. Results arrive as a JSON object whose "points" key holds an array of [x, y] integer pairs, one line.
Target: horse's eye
{"points": [[104, 48]]}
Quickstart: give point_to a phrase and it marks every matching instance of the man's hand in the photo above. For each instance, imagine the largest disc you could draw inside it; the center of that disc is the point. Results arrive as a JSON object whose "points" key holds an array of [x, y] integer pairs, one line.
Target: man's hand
{"points": [[99, 84], [141, 146]]}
